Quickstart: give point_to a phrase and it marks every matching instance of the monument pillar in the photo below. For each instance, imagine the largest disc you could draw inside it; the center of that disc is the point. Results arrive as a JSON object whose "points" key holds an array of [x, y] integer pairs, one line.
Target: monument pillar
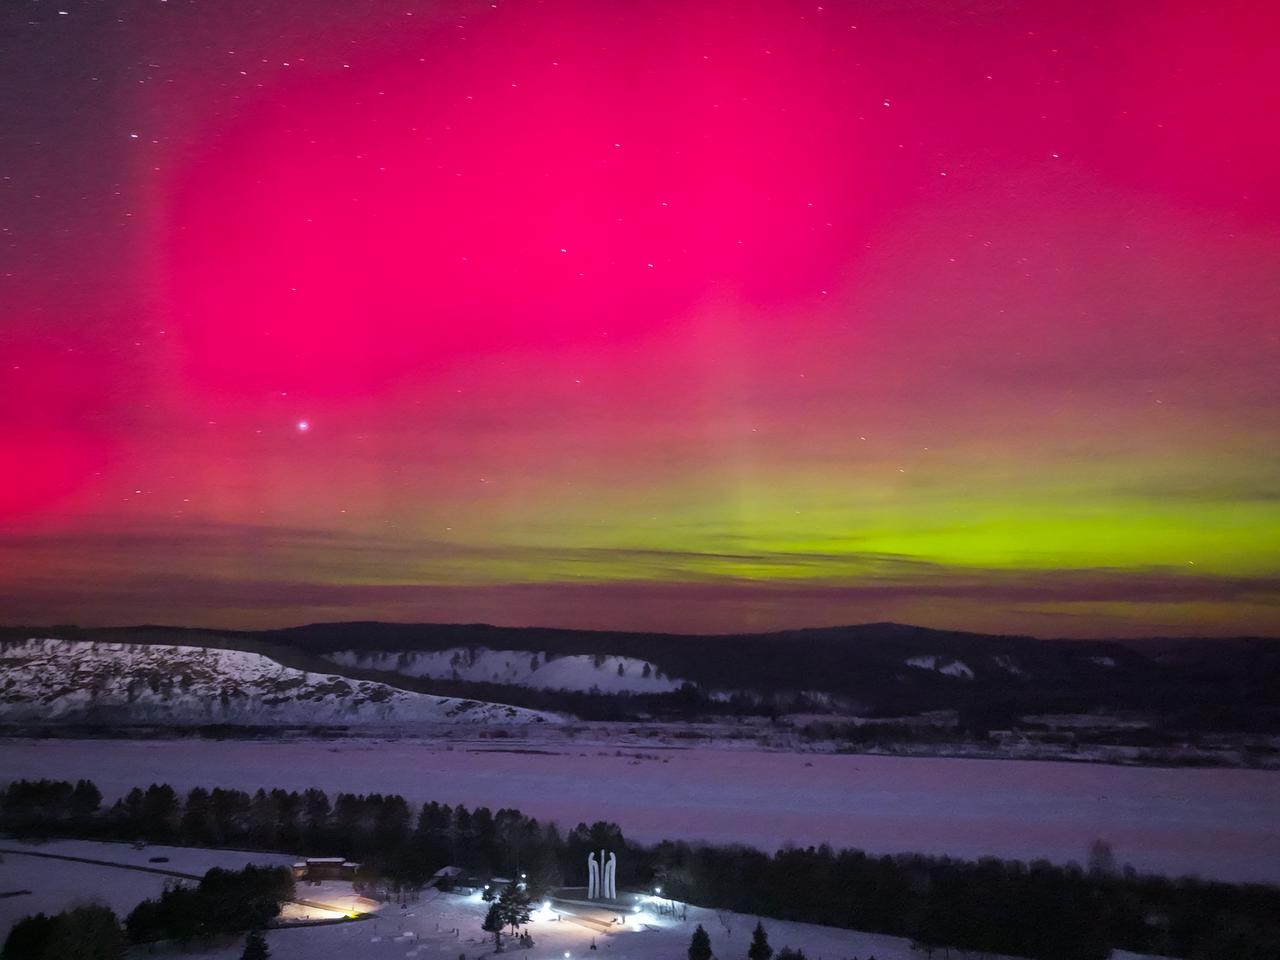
{"points": [[602, 876]]}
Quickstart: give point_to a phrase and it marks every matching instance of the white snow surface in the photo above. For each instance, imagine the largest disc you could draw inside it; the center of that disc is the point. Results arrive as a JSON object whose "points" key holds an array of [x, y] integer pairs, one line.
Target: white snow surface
{"points": [[142, 683], [525, 668], [446, 926], [1222, 824], [944, 665]]}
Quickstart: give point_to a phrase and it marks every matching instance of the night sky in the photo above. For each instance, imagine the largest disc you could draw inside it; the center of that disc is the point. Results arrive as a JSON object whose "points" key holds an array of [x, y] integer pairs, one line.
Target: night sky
{"points": [[690, 316]]}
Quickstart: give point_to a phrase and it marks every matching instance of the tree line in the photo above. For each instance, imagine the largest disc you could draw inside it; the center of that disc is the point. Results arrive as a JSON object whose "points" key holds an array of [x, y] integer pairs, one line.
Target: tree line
{"points": [[1037, 910], [223, 902], [89, 932]]}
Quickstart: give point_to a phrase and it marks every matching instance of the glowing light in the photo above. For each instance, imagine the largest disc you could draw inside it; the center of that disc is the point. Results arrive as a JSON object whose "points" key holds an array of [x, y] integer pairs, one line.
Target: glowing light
{"points": [[544, 912], [303, 426]]}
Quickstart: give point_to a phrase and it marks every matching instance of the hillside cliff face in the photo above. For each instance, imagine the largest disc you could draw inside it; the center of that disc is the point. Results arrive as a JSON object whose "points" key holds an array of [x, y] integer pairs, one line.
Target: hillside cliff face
{"points": [[522, 668], [97, 682]]}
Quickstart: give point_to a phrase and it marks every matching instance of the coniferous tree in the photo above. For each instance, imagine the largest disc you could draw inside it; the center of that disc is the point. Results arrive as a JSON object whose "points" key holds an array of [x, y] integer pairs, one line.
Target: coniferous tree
{"points": [[545, 873], [759, 949], [159, 812], [494, 921], [700, 945], [1102, 859], [315, 816], [86, 798], [514, 905], [255, 947], [264, 817], [130, 812], [28, 938], [87, 933], [196, 825]]}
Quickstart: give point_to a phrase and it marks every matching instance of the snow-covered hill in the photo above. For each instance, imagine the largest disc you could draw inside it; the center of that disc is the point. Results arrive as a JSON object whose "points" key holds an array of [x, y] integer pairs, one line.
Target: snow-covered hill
{"points": [[525, 668], [71, 680]]}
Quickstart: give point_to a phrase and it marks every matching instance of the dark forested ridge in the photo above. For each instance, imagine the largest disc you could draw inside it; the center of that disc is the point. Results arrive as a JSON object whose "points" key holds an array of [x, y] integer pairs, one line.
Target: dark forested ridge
{"points": [[1219, 684]]}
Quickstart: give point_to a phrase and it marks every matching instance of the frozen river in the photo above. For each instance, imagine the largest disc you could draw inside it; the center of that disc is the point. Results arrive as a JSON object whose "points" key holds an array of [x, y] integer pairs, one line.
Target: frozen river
{"points": [[1218, 823]]}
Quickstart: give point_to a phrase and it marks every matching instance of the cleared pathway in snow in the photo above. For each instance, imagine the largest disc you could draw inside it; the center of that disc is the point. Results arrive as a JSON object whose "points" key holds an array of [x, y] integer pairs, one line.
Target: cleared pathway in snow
{"points": [[1218, 823]]}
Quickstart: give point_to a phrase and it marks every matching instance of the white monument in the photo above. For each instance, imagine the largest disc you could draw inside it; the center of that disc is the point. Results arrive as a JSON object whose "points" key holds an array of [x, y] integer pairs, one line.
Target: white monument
{"points": [[602, 876]]}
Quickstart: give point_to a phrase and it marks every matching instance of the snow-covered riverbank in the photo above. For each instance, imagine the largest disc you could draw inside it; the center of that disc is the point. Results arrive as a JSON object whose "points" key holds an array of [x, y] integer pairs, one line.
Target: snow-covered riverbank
{"points": [[1223, 824]]}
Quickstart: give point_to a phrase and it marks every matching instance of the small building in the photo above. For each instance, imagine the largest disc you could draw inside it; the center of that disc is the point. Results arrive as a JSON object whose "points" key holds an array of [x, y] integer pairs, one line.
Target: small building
{"points": [[315, 869], [450, 879]]}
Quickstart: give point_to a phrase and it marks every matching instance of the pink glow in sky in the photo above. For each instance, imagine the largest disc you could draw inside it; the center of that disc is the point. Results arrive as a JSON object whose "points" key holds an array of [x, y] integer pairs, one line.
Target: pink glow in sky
{"points": [[689, 316]]}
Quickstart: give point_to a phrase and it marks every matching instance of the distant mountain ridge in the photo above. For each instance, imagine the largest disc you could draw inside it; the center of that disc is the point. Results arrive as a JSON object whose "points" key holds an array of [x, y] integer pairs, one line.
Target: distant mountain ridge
{"points": [[88, 681], [879, 668]]}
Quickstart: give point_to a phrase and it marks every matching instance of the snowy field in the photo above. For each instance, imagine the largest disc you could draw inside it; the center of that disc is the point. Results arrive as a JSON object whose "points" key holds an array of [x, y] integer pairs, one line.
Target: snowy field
{"points": [[426, 930], [56, 885], [441, 926], [1219, 823]]}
